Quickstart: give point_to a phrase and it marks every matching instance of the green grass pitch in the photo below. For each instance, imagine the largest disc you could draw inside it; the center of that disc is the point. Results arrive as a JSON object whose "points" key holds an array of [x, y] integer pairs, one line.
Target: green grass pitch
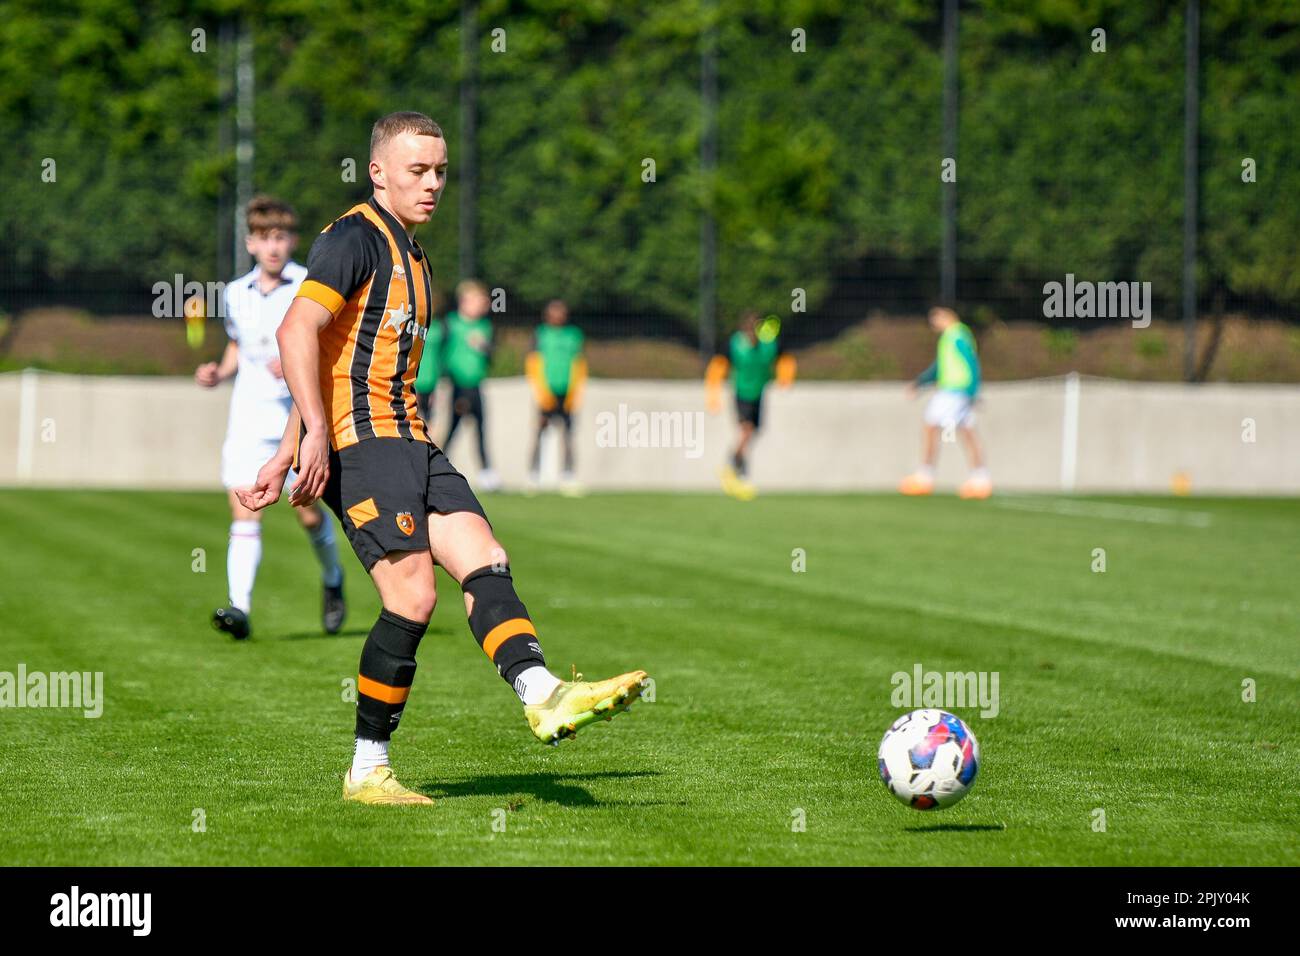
{"points": [[1119, 691]]}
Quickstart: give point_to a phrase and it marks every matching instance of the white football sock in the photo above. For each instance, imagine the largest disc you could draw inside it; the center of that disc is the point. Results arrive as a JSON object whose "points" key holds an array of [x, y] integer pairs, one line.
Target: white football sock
{"points": [[926, 471], [535, 684], [242, 557], [979, 474], [322, 540], [368, 755]]}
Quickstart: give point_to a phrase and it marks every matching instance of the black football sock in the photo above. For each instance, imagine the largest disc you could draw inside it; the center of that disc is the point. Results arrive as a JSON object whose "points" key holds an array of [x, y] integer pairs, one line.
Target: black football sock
{"points": [[536, 465], [500, 623], [568, 445], [387, 671], [482, 446]]}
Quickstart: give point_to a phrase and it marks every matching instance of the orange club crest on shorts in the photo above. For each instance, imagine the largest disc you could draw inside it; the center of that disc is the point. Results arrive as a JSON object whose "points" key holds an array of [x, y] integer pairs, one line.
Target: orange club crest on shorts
{"points": [[405, 523]]}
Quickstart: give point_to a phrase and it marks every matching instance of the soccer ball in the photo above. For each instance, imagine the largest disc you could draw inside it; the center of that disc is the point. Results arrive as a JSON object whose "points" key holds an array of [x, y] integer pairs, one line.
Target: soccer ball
{"points": [[929, 759]]}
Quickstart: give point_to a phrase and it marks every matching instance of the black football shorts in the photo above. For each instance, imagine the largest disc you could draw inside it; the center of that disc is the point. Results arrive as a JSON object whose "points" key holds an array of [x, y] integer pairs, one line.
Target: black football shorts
{"points": [[384, 489], [558, 412], [751, 412]]}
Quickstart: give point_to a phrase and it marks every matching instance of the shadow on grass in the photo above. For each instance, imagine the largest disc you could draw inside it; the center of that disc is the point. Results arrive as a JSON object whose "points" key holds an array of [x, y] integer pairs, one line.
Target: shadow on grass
{"points": [[957, 827], [562, 788], [319, 635]]}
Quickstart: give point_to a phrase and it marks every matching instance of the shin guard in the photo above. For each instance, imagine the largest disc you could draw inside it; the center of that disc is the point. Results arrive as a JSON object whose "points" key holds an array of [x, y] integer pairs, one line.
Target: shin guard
{"points": [[501, 624], [387, 671]]}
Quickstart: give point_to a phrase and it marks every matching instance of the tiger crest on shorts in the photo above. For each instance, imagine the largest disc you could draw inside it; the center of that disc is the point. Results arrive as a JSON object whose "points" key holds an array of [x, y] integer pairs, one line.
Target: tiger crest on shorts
{"points": [[405, 523]]}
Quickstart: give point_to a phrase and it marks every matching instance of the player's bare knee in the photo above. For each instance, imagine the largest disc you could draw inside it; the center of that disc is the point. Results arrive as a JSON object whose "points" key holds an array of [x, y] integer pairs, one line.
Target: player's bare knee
{"points": [[424, 598], [418, 604]]}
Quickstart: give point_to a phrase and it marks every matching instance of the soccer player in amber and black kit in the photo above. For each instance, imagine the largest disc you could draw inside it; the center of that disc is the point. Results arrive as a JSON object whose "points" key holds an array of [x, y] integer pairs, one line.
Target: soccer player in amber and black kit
{"points": [[350, 347]]}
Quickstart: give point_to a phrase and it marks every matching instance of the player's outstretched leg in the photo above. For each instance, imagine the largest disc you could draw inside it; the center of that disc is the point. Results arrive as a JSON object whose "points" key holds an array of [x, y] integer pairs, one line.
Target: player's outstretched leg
{"points": [[554, 709], [462, 542]]}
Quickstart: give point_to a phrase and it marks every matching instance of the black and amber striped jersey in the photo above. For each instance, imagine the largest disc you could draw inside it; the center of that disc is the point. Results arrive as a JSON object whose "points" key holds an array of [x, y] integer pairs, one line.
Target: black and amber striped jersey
{"points": [[375, 280]]}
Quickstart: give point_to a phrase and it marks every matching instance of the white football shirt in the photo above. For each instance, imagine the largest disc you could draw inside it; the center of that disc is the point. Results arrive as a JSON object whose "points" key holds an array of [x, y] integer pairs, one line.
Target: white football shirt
{"points": [[260, 403]]}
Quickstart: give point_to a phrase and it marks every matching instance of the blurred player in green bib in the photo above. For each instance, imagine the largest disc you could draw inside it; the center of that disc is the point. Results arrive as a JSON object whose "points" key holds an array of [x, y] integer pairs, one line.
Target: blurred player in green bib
{"points": [[557, 372], [955, 374], [432, 365], [755, 359], [467, 356]]}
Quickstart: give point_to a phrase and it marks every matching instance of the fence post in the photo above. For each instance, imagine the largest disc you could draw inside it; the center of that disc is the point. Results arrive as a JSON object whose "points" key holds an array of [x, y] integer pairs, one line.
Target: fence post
{"points": [[1191, 175], [1070, 434], [948, 253], [26, 422], [245, 136], [468, 165], [708, 168]]}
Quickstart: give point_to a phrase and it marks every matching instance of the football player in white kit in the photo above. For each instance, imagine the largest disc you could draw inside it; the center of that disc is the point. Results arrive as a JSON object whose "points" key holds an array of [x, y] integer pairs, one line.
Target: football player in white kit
{"points": [[260, 404]]}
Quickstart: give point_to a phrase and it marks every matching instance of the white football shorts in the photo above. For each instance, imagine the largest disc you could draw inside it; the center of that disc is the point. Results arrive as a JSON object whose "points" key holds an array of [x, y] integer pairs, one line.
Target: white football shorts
{"points": [[242, 459], [950, 410]]}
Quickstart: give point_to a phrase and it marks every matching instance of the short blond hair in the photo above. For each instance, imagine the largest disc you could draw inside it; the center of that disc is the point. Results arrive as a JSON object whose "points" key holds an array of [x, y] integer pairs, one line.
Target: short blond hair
{"points": [[395, 124]]}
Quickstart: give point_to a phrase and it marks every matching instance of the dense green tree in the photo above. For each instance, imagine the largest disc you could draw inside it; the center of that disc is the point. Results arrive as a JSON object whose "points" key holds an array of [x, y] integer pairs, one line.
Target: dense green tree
{"points": [[829, 138]]}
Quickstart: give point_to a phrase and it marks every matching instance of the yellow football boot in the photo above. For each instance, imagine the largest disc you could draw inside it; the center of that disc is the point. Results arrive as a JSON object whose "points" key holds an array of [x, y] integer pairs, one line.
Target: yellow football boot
{"points": [[380, 786], [730, 480], [736, 486], [577, 703]]}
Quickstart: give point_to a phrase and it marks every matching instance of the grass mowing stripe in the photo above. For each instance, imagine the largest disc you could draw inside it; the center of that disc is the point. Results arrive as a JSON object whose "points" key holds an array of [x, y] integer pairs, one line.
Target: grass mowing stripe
{"points": [[713, 571], [741, 733]]}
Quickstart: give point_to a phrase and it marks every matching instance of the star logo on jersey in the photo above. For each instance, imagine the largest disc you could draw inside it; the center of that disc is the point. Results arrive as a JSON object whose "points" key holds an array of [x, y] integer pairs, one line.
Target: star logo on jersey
{"points": [[398, 271], [398, 317], [401, 320], [405, 523]]}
